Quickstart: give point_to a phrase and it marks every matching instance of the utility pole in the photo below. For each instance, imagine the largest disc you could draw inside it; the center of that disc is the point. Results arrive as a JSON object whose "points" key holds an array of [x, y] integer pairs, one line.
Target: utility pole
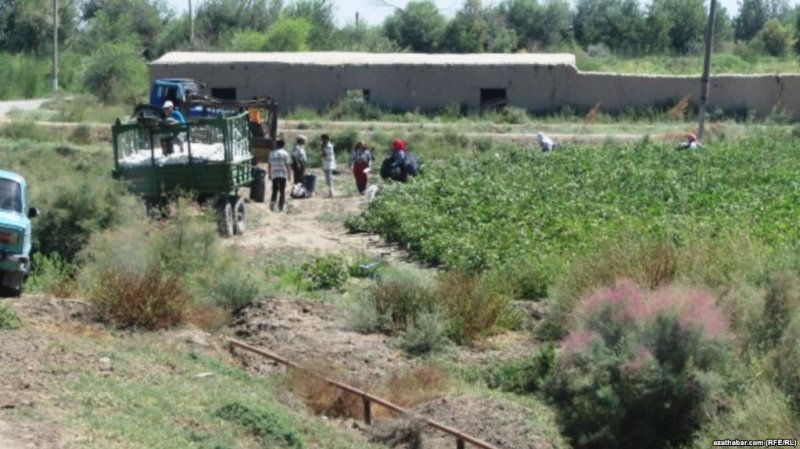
{"points": [[55, 45], [706, 70], [191, 23]]}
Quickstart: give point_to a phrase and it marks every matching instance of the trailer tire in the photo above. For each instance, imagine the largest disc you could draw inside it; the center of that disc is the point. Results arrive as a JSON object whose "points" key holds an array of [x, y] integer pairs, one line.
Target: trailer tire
{"points": [[225, 217], [239, 215]]}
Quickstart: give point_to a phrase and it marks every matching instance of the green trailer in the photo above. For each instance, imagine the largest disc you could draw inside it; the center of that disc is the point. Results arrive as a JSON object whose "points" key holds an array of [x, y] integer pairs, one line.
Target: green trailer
{"points": [[209, 157]]}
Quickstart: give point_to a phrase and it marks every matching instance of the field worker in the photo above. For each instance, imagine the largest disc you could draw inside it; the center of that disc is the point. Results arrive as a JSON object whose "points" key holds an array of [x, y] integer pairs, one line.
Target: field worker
{"points": [[279, 173], [299, 159], [328, 162], [168, 143], [691, 142], [396, 168], [545, 143], [361, 164]]}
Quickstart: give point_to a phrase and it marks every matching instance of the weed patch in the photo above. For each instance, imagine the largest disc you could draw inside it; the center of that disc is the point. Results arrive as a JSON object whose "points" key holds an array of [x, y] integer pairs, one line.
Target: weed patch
{"points": [[8, 318], [266, 424]]}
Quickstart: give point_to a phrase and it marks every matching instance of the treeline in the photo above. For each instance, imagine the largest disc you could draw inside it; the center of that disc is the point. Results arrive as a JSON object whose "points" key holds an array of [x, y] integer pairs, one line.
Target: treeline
{"points": [[105, 43]]}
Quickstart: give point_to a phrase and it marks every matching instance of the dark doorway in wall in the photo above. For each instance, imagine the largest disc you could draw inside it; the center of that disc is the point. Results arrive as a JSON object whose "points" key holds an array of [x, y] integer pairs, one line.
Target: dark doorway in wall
{"points": [[224, 93], [493, 98]]}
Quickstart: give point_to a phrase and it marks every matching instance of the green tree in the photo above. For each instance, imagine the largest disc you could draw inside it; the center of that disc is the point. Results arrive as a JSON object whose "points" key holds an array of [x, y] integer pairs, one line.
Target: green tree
{"points": [[775, 38], [467, 32], [753, 14], [618, 24], [215, 18], [685, 22], [361, 37], [116, 73], [27, 25], [538, 25], [318, 13], [288, 35], [723, 27], [419, 27], [146, 18], [247, 40]]}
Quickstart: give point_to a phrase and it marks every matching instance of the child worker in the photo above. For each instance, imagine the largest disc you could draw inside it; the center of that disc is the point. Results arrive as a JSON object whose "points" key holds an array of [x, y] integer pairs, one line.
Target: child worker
{"points": [[361, 164]]}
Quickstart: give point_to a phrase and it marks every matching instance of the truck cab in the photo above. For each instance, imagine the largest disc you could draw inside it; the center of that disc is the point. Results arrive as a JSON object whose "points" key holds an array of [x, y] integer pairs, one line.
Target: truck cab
{"points": [[176, 90], [15, 232]]}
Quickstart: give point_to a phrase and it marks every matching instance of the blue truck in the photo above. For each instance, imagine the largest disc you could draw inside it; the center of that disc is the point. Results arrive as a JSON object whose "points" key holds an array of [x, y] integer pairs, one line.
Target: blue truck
{"points": [[15, 233]]}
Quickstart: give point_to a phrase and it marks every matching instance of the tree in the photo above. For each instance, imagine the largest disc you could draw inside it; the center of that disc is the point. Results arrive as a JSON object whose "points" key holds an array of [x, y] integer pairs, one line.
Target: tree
{"points": [[218, 17], [467, 32], [685, 22], [115, 73], [145, 18], [289, 35], [318, 13], [419, 27], [723, 27], [27, 25], [753, 14], [618, 24], [775, 38]]}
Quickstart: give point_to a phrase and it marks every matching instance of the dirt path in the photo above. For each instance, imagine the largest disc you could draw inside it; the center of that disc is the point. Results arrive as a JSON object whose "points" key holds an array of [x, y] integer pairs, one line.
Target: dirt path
{"points": [[23, 105]]}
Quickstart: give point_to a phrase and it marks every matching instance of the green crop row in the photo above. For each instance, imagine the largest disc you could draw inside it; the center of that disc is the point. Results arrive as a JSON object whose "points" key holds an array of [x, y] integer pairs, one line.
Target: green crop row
{"points": [[525, 208]]}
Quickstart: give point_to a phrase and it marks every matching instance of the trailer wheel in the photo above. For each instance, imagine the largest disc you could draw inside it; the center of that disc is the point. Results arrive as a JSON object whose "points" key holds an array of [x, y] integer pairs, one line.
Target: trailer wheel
{"points": [[239, 225], [225, 217]]}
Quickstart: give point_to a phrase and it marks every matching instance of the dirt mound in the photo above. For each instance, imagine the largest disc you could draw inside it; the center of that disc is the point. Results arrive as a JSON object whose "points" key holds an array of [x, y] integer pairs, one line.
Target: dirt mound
{"points": [[500, 423], [314, 334]]}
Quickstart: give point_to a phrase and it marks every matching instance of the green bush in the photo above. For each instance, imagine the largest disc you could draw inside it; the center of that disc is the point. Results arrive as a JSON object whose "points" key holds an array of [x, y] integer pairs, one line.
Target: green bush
{"points": [[116, 73], [51, 275], [402, 294], [8, 318], [363, 316], [426, 334], [326, 272], [25, 131], [265, 424], [523, 376], [639, 369], [784, 361], [237, 288]]}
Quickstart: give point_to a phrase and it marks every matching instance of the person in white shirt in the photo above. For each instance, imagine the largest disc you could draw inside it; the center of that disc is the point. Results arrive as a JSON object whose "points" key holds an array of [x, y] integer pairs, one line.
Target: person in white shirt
{"points": [[328, 162], [279, 170], [299, 159], [545, 143]]}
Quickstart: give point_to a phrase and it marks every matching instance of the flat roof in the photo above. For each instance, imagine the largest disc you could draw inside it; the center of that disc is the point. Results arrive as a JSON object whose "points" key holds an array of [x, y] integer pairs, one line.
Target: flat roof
{"points": [[354, 58]]}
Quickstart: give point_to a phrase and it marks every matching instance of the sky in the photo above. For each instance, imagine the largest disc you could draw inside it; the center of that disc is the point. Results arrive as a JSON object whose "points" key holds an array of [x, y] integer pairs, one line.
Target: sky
{"points": [[374, 11]]}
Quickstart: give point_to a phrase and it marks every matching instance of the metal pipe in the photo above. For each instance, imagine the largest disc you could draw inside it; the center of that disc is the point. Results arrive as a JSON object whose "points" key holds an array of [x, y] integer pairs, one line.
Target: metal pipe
{"points": [[55, 45], [461, 437]]}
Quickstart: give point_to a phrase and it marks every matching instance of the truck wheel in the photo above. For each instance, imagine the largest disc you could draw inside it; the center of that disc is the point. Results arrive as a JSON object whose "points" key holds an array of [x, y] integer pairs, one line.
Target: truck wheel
{"points": [[225, 217], [239, 225]]}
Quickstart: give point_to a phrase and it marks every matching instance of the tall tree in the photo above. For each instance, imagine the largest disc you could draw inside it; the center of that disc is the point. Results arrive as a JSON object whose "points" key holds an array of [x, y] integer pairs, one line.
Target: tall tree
{"points": [[419, 27], [146, 18], [468, 31], [685, 22], [319, 13], [217, 17], [27, 25], [753, 14], [618, 24]]}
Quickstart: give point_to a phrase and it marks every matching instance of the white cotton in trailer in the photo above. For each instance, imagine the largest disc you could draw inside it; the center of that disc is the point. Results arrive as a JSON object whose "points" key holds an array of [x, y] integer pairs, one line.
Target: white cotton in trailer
{"points": [[201, 152]]}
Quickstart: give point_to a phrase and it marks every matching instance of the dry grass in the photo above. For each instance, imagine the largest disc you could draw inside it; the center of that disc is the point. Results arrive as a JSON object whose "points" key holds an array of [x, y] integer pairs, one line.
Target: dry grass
{"points": [[153, 300], [678, 112], [207, 317], [472, 307], [405, 388]]}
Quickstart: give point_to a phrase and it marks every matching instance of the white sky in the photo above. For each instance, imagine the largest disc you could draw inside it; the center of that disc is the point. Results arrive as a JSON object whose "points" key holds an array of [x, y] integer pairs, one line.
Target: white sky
{"points": [[374, 11]]}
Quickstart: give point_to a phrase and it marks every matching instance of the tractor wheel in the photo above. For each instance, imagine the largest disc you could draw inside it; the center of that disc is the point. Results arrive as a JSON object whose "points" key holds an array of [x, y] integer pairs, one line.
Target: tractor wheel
{"points": [[225, 217], [239, 225]]}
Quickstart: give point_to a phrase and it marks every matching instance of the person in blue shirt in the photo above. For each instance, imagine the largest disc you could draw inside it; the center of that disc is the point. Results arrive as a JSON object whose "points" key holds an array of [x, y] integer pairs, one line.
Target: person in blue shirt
{"points": [[172, 115]]}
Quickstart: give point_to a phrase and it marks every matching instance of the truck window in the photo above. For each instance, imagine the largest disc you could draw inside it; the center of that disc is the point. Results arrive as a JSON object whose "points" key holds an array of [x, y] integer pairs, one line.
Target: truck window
{"points": [[10, 195]]}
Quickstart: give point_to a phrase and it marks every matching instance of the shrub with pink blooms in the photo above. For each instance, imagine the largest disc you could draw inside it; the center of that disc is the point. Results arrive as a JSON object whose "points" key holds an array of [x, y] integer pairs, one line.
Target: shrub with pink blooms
{"points": [[638, 367]]}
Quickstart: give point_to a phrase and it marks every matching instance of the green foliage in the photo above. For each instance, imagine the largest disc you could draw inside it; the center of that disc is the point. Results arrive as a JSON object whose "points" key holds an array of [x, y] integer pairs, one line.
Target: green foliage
{"points": [[753, 14], [116, 73], [51, 275], [523, 376], [535, 24], [26, 76], [402, 294], [426, 334], [775, 38], [289, 35], [9, 319], [215, 18], [247, 40], [25, 130], [145, 19], [269, 426], [619, 24], [571, 202], [639, 369], [237, 287], [468, 31], [25, 25], [419, 27], [318, 15], [327, 271], [682, 21]]}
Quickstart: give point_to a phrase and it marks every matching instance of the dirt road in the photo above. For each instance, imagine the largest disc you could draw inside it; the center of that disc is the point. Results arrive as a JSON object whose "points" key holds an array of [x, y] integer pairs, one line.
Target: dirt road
{"points": [[23, 105]]}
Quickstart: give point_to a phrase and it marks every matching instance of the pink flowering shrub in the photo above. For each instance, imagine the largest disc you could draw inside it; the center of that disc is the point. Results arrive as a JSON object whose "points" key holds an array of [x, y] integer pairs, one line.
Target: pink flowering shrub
{"points": [[637, 367]]}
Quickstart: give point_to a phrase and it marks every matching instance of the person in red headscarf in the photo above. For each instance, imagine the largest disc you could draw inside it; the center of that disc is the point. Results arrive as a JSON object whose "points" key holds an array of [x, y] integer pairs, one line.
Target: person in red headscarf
{"points": [[399, 155], [691, 142]]}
